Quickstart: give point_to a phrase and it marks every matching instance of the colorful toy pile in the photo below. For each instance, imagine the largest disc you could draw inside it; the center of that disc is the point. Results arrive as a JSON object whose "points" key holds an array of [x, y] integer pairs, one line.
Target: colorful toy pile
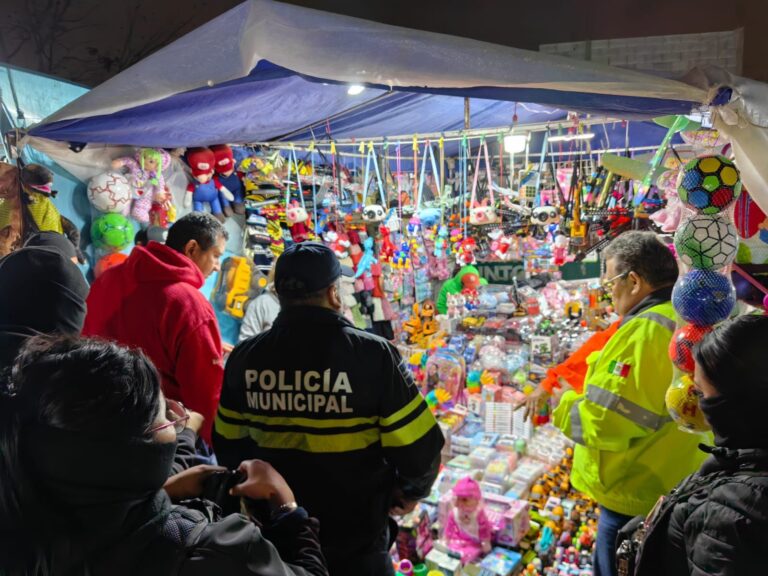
{"points": [[503, 507]]}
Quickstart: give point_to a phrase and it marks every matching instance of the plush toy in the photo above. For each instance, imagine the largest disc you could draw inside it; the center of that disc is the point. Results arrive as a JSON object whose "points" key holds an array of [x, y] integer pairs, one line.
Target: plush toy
{"points": [[465, 255], [387, 249], [414, 226], [455, 305], [340, 244], [230, 178], [402, 257], [467, 528], [469, 284], [36, 182], [368, 259], [441, 242], [483, 213], [206, 187], [500, 244], [297, 218], [455, 286], [152, 203]]}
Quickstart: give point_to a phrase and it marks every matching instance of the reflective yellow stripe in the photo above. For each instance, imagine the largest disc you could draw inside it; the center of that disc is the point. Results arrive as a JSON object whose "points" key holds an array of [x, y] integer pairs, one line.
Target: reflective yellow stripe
{"points": [[409, 433], [403, 412], [315, 443], [292, 421], [230, 431]]}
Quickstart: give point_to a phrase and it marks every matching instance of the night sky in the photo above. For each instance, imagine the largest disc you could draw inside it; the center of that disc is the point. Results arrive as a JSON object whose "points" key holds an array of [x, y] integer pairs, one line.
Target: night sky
{"points": [[88, 41]]}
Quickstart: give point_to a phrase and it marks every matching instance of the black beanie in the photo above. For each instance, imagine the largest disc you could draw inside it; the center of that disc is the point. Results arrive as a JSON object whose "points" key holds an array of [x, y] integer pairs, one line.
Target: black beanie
{"points": [[53, 240], [41, 291]]}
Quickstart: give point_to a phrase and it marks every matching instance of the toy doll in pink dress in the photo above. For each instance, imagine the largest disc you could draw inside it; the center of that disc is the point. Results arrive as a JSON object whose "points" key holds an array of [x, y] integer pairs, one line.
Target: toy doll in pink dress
{"points": [[467, 528]]}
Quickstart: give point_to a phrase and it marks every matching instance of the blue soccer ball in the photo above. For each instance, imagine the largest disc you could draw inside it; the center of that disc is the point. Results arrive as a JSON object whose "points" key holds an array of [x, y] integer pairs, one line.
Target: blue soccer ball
{"points": [[704, 297]]}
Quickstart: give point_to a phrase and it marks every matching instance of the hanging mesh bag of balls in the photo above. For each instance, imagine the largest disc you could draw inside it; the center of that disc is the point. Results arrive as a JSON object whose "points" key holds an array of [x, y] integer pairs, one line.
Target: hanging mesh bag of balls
{"points": [[706, 243]]}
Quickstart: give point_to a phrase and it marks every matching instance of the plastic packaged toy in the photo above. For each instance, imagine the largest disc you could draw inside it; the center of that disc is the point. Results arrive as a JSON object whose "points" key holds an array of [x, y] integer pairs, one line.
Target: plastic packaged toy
{"points": [[467, 528]]}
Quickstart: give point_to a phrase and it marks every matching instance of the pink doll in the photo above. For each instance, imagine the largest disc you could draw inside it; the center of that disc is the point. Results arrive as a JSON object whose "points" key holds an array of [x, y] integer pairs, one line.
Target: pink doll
{"points": [[145, 174], [467, 528], [297, 219]]}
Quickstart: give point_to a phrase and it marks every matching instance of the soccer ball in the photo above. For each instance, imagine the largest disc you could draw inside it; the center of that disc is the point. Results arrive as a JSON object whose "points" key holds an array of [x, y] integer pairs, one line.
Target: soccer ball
{"points": [[709, 184], [708, 242], [110, 192], [682, 343], [683, 405], [113, 232], [703, 297], [109, 261]]}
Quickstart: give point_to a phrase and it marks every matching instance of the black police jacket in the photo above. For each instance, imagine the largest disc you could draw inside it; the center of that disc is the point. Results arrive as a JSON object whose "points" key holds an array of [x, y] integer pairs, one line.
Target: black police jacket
{"points": [[334, 409], [718, 524]]}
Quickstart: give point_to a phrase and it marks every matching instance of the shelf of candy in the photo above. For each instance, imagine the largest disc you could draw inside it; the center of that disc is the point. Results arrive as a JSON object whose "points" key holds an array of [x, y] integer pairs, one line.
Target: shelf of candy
{"points": [[501, 505]]}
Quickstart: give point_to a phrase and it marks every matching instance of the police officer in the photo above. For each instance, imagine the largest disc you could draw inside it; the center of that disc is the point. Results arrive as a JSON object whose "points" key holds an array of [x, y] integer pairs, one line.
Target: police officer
{"points": [[628, 451], [334, 410]]}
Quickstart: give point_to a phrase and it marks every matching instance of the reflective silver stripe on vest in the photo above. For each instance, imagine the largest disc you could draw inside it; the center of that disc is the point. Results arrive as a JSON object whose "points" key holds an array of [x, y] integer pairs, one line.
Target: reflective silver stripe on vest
{"points": [[577, 432], [627, 408], [668, 323]]}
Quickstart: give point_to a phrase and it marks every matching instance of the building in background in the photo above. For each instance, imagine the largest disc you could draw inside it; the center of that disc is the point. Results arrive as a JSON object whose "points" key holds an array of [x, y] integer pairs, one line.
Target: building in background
{"points": [[671, 55]]}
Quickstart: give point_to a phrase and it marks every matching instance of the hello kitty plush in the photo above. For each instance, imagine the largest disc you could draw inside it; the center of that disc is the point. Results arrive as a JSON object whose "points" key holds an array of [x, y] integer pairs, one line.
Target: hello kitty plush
{"points": [[467, 528], [297, 218]]}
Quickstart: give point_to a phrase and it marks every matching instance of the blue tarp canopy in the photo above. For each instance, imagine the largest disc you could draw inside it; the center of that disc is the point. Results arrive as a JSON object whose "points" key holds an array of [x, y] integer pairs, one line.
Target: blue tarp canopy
{"points": [[266, 70]]}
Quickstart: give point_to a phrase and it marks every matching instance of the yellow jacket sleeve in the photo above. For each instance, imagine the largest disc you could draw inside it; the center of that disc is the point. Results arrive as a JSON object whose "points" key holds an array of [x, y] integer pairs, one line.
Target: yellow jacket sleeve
{"points": [[623, 397]]}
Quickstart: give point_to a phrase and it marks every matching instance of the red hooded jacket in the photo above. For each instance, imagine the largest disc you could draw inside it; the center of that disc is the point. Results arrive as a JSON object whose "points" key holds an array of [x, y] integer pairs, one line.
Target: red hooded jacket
{"points": [[152, 301]]}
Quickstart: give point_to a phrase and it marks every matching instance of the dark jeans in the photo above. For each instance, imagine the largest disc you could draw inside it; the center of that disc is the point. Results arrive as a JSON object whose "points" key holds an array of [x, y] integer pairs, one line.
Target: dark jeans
{"points": [[605, 548], [377, 562]]}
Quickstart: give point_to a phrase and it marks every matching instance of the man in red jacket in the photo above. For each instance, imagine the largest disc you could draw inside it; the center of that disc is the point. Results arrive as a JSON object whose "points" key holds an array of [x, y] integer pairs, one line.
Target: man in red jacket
{"points": [[153, 301]]}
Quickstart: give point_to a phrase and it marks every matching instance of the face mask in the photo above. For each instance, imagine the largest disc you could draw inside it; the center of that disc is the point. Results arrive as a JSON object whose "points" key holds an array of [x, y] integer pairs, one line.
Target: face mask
{"points": [[733, 423]]}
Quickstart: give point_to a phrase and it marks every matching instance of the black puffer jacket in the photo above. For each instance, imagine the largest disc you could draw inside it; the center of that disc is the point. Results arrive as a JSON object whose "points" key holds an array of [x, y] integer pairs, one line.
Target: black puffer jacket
{"points": [[718, 525]]}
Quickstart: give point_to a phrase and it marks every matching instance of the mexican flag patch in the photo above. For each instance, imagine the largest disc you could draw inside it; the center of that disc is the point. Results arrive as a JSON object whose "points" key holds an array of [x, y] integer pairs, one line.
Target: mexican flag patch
{"points": [[618, 369]]}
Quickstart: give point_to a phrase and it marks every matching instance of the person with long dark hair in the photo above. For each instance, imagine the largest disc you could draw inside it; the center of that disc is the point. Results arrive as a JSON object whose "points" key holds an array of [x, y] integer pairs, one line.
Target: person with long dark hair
{"points": [[87, 441], [716, 521]]}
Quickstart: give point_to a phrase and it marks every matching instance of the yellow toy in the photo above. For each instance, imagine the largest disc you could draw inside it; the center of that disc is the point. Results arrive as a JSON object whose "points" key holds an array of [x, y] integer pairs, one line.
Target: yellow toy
{"points": [[237, 285]]}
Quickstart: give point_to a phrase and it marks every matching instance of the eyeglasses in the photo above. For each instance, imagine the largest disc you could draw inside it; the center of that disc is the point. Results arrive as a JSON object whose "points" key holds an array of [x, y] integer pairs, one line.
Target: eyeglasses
{"points": [[608, 285], [176, 415]]}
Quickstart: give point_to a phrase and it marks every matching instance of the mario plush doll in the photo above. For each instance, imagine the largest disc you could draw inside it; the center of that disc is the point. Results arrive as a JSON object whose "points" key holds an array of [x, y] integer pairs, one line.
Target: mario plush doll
{"points": [[206, 187], [229, 178]]}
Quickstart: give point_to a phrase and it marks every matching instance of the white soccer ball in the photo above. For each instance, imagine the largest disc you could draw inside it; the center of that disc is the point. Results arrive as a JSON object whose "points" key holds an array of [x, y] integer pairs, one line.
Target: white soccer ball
{"points": [[110, 192], [707, 242]]}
